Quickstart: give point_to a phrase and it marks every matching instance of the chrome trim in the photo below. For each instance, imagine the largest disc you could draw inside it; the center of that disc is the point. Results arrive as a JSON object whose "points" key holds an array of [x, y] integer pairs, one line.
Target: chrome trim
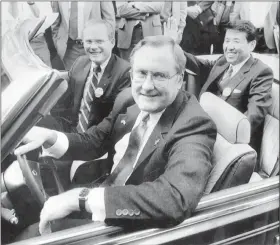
{"points": [[210, 211], [200, 223], [248, 234]]}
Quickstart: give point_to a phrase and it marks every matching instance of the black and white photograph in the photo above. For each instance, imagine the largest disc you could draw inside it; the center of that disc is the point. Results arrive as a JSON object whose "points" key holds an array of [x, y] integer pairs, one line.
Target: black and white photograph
{"points": [[143, 123]]}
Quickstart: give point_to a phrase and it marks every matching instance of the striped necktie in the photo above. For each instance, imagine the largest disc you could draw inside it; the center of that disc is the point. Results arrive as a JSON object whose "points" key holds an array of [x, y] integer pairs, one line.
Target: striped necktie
{"points": [[126, 165], [87, 102]]}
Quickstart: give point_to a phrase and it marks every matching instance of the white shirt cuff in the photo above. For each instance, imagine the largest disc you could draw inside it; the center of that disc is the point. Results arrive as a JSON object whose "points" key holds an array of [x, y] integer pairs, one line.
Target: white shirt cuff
{"points": [[96, 204], [59, 148]]}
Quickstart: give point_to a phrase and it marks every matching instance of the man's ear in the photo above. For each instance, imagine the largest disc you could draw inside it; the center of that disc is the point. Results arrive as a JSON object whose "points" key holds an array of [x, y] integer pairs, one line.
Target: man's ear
{"points": [[252, 45]]}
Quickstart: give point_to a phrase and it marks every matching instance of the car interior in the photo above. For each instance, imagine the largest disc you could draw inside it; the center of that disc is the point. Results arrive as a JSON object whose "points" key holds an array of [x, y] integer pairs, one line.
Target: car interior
{"points": [[235, 161]]}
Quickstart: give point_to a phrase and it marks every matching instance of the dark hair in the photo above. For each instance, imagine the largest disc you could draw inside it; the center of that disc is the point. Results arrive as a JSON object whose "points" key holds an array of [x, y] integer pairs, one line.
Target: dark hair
{"points": [[244, 26], [159, 41]]}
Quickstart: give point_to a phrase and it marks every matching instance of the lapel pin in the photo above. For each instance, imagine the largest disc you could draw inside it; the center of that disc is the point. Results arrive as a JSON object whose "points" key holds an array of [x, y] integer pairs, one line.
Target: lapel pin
{"points": [[157, 141], [98, 92], [226, 92], [123, 122]]}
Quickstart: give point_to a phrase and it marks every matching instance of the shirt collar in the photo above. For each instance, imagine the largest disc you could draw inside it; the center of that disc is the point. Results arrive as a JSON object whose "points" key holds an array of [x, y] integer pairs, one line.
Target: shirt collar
{"points": [[154, 117], [103, 65], [237, 67]]}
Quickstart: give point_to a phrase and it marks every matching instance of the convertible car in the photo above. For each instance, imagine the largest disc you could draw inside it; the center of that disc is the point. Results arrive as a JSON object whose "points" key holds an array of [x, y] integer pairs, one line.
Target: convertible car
{"points": [[235, 209]]}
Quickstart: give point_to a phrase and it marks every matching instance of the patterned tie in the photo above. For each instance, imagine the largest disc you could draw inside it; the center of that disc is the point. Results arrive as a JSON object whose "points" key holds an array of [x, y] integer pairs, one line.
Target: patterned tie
{"points": [[87, 101], [226, 77], [125, 167], [73, 21]]}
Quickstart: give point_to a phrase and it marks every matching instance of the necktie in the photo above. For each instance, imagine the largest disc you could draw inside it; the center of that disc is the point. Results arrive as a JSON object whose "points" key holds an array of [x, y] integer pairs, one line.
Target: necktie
{"points": [[226, 77], [125, 167], [87, 101], [73, 21]]}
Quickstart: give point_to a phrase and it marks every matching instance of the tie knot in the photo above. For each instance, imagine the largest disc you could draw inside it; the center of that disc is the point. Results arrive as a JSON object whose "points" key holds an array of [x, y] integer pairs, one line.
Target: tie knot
{"points": [[230, 70], [97, 69], [145, 117]]}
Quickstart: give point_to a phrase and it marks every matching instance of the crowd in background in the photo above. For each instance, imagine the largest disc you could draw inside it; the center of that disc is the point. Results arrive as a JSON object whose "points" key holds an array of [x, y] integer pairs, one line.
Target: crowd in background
{"points": [[200, 25]]}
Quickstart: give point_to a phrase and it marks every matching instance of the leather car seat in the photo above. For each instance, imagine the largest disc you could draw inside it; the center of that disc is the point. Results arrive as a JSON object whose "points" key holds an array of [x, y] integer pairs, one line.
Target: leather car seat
{"points": [[268, 164], [233, 159]]}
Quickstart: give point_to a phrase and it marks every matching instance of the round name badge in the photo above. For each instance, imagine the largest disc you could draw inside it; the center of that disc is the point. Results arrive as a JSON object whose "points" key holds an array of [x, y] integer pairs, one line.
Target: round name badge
{"points": [[226, 92], [98, 92]]}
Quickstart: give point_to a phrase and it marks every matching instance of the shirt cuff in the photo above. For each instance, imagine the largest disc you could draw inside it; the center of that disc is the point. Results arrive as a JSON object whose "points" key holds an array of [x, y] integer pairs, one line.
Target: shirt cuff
{"points": [[96, 204], [59, 148]]}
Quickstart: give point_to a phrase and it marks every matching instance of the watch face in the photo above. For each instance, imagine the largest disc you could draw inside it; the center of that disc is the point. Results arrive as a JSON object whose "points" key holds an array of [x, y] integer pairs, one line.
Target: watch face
{"points": [[84, 192]]}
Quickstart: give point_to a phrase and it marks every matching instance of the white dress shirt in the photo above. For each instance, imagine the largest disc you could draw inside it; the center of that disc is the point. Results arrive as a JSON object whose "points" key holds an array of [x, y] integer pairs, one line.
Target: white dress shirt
{"points": [[237, 67], [96, 196]]}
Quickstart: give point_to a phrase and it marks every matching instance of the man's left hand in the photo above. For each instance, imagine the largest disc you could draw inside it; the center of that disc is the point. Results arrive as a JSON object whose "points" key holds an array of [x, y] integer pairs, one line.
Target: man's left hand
{"points": [[57, 207]]}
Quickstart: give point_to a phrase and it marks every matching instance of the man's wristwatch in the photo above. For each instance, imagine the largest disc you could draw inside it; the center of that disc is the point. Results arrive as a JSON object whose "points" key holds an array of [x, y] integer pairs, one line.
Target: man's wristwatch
{"points": [[83, 196]]}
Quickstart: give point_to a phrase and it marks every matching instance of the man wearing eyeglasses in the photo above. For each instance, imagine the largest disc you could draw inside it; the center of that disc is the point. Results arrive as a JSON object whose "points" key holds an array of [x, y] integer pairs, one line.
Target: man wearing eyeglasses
{"points": [[160, 141]]}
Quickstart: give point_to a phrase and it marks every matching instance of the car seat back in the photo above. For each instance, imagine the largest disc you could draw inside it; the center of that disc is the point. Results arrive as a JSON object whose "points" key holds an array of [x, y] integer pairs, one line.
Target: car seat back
{"points": [[233, 159]]}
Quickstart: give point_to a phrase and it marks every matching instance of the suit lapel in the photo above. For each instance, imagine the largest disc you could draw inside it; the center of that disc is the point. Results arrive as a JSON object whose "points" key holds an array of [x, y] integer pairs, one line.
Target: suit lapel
{"points": [[239, 76], [106, 77], [161, 129], [80, 82], [125, 122], [217, 71]]}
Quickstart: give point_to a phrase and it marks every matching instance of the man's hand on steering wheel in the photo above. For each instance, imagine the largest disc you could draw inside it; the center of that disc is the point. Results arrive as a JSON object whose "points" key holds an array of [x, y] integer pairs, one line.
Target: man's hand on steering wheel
{"points": [[35, 138]]}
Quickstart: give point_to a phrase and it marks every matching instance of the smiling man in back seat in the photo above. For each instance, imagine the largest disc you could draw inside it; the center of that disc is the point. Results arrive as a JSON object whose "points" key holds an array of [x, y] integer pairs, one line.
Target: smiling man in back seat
{"points": [[238, 78]]}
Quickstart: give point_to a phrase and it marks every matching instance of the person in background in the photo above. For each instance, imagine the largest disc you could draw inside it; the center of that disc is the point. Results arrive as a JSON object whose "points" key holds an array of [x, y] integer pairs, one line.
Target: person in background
{"points": [[67, 29], [137, 20], [34, 11], [161, 146], [200, 32], [256, 13], [271, 25], [179, 11]]}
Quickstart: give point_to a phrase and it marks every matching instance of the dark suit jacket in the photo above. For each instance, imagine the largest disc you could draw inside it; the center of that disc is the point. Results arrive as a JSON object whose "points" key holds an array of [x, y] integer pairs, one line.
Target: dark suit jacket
{"points": [[115, 78], [254, 81], [172, 170]]}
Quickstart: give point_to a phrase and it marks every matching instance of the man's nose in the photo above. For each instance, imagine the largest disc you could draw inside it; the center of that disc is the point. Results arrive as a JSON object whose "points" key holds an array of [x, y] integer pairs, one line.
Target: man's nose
{"points": [[93, 45], [148, 84], [230, 45]]}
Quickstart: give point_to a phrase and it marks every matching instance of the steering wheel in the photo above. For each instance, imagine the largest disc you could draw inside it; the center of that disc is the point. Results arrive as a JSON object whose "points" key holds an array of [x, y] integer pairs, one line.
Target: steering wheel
{"points": [[32, 176]]}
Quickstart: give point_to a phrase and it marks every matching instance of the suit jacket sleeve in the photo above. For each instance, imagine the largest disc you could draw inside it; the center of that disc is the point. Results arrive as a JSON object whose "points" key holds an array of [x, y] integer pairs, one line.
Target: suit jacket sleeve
{"points": [[149, 7], [201, 67], [175, 194], [55, 25], [205, 5], [259, 98], [108, 12]]}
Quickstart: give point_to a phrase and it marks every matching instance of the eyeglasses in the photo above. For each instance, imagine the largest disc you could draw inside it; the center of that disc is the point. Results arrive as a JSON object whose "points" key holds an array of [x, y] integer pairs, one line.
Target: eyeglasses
{"points": [[158, 78], [96, 42]]}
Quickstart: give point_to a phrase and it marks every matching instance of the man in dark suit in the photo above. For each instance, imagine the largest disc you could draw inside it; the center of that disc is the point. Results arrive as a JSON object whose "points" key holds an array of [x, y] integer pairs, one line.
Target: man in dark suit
{"points": [[238, 78], [99, 68], [161, 147]]}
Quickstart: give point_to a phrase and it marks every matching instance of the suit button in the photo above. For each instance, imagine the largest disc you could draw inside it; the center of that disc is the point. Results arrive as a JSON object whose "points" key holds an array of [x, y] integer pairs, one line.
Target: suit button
{"points": [[130, 212], [118, 212], [125, 212], [137, 212]]}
